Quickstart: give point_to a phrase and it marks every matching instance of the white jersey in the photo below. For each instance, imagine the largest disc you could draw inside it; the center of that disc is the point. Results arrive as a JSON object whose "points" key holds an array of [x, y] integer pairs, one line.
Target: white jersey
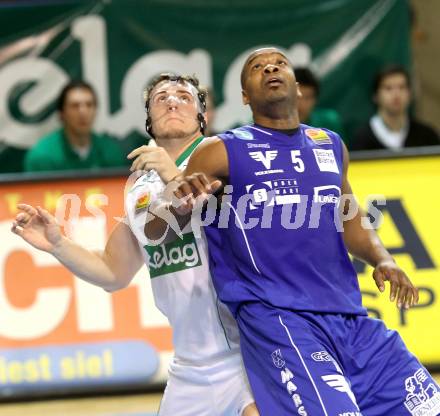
{"points": [[203, 328]]}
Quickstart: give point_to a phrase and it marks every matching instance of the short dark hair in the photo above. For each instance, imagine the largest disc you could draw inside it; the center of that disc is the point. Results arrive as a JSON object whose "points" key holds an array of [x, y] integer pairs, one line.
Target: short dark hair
{"points": [[181, 79], [74, 84], [251, 56], [390, 70], [307, 78]]}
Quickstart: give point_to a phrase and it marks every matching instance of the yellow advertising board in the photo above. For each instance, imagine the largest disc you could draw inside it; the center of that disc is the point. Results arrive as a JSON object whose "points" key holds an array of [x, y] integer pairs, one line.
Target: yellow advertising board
{"points": [[410, 229]]}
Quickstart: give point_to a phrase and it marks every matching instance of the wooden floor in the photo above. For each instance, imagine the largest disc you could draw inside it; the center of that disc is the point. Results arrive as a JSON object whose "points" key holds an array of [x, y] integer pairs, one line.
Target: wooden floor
{"points": [[127, 405]]}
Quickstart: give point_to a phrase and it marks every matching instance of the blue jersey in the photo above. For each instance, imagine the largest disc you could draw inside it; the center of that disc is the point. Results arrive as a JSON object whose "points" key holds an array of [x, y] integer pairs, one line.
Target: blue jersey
{"points": [[282, 242]]}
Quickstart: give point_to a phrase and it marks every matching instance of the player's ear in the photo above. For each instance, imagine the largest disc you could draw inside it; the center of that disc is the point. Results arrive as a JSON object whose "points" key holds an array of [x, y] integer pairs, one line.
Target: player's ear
{"points": [[298, 90], [244, 97]]}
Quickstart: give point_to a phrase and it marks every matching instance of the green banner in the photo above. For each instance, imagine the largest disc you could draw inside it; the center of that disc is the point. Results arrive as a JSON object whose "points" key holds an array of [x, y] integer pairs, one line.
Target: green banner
{"points": [[119, 45]]}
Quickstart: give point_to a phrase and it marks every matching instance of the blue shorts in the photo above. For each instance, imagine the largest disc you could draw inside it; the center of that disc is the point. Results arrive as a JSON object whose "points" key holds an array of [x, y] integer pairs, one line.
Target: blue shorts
{"points": [[303, 363]]}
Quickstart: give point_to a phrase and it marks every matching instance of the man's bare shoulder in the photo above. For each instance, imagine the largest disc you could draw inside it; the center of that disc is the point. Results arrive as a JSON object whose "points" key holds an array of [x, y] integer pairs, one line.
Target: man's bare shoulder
{"points": [[209, 157]]}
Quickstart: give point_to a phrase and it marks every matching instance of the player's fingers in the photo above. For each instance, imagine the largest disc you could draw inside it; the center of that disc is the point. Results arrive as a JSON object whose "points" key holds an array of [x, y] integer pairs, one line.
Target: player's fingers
{"points": [[184, 189], [136, 165], [16, 229], [198, 187], [415, 296], [22, 218], [393, 289], [204, 181], [47, 218], [409, 299], [379, 279], [139, 163], [138, 151], [29, 209], [182, 201], [216, 185], [401, 298], [411, 296]]}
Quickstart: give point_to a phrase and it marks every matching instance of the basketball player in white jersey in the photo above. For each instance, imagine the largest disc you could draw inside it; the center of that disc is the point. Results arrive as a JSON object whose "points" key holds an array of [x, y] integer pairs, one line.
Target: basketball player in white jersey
{"points": [[206, 376]]}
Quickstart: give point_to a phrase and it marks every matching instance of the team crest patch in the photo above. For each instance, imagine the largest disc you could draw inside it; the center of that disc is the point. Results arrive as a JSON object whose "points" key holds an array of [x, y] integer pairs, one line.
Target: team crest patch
{"points": [[318, 136], [142, 203]]}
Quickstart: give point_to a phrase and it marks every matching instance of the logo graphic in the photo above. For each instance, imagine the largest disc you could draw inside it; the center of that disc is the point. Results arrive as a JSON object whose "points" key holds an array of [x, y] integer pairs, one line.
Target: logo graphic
{"points": [[423, 398], [340, 383], [277, 192], [277, 359], [327, 194], [265, 158], [321, 356], [142, 203], [173, 257], [326, 160], [287, 380], [243, 134], [258, 145], [324, 356], [318, 136]]}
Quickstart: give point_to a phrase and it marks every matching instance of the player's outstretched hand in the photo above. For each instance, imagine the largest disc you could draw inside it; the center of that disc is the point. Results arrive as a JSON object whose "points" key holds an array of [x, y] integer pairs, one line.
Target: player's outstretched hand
{"points": [[157, 158], [193, 189], [401, 288], [37, 227]]}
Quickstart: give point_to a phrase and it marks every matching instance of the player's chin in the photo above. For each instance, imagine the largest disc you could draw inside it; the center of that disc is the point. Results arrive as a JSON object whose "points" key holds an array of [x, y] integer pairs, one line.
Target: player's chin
{"points": [[174, 132], [275, 95]]}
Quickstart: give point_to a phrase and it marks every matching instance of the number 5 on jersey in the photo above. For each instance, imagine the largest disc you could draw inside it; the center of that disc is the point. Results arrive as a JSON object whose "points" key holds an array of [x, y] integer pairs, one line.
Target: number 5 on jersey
{"points": [[298, 163]]}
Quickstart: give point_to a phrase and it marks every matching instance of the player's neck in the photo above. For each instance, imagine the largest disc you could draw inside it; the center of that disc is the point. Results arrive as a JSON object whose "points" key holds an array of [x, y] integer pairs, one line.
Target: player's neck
{"points": [[175, 147], [278, 121], [394, 122]]}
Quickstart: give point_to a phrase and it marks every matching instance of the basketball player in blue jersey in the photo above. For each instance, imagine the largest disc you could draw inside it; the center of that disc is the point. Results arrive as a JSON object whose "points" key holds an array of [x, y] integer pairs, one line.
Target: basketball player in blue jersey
{"points": [[307, 343]]}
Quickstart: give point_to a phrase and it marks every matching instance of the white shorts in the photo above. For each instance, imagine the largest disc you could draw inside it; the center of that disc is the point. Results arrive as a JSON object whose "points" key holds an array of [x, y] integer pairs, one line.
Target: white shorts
{"points": [[219, 388]]}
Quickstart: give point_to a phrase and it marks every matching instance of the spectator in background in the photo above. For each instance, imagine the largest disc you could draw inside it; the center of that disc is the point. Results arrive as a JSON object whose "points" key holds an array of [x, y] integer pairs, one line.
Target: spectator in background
{"points": [[308, 113], [392, 127], [75, 145]]}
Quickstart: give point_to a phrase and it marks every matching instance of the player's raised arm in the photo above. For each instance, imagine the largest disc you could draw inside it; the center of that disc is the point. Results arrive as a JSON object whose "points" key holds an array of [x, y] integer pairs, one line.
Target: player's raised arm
{"points": [[110, 269], [206, 173], [364, 243]]}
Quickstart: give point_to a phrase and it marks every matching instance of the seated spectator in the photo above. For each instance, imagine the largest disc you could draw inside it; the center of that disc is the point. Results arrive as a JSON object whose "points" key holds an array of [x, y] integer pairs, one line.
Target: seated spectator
{"points": [[392, 127], [75, 145], [308, 112]]}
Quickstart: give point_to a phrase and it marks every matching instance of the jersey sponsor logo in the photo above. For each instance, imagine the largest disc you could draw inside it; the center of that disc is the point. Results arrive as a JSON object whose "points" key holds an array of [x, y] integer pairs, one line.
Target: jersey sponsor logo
{"points": [[423, 398], [327, 194], [318, 136], [340, 383], [172, 257], [321, 356], [276, 192], [142, 203], [287, 380], [324, 356], [277, 359], [291, 387], [258, 145], [265, 158], [243, 134], [326, 160]]}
